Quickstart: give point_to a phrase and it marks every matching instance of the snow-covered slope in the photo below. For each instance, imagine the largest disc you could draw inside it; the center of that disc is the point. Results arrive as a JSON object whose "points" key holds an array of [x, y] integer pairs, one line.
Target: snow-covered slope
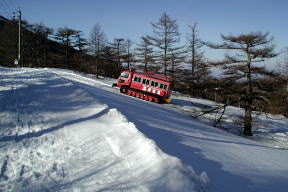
{"points": [[269, 130], [65, 132], [56, 136]]}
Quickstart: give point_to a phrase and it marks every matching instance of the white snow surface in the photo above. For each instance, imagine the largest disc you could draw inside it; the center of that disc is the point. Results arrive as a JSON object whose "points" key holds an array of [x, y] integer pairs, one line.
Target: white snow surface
{"points": [[62, 131], [57, 136]]}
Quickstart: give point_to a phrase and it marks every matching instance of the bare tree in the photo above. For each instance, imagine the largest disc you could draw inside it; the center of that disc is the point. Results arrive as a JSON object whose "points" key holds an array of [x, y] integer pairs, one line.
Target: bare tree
{"points": [[119, 49], [145, 52], [128, 56], [199, 67], [250, 48], [110, 62], [175, 59], [97, 43], [285, 70], [166, 38], [97, 39]]}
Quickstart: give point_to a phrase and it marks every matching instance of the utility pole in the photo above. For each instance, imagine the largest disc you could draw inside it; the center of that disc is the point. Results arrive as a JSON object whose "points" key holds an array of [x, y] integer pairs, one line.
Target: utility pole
{"points": [[19, 36], [118, 49], [128, 44]]}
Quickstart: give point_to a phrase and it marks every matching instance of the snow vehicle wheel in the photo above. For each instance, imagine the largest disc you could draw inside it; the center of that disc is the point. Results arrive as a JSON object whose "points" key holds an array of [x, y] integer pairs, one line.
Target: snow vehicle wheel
{"points": [[150, 98], [123, 90]]}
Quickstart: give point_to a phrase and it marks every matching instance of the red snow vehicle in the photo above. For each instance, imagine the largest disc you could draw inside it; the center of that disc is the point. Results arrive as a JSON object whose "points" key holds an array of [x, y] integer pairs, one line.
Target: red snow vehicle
{"points": [[148, 86]]}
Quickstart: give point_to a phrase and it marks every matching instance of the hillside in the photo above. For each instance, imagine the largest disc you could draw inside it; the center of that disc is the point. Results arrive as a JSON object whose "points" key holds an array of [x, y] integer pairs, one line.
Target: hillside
{"points": [[62, 131], [38, 47]]}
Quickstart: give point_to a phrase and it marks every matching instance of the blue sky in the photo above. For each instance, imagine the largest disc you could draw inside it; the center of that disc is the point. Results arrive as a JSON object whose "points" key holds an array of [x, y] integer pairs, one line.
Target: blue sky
{"points": [[132, 18]]}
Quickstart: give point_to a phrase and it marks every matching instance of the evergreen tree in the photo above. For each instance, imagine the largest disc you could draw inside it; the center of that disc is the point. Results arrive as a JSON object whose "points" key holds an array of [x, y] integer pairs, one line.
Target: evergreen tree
{"points": [[80, 42], [40, 42], [166, 39], [8, 43], [65, 36], [250, 48]]}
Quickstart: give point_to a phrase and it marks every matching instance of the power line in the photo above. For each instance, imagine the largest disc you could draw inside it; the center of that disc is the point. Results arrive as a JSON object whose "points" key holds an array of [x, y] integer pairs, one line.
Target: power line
{"points": [[4, 8], [7, 9], [7, 5], [13, 4]]}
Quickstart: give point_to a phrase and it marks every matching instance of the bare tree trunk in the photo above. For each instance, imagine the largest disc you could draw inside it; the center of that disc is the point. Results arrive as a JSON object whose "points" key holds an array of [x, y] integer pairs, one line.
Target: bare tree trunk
{"points": [[66, 52], [193, 62], [248, 121], [97, 57], [249, 99]]}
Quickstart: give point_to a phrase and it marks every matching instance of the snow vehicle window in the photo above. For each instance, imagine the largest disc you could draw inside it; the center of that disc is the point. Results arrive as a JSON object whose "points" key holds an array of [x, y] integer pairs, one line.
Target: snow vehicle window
{"points": [[144, 81], [147, 82], [125, 75], [137, 79], [154, 83], [163, 86]]}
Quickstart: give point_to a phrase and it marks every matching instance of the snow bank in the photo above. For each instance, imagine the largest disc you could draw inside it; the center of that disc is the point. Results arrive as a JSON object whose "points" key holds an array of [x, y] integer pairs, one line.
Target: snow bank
{"points": [[125, 160], [54, 136]]}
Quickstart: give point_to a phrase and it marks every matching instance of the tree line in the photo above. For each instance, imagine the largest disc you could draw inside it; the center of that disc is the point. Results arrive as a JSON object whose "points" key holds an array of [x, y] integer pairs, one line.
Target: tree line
{"points": [[243, 83]]}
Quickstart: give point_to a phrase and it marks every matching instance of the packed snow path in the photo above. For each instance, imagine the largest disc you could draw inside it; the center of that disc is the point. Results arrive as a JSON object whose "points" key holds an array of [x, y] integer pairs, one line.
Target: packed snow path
{"points": [[48, 120]]}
